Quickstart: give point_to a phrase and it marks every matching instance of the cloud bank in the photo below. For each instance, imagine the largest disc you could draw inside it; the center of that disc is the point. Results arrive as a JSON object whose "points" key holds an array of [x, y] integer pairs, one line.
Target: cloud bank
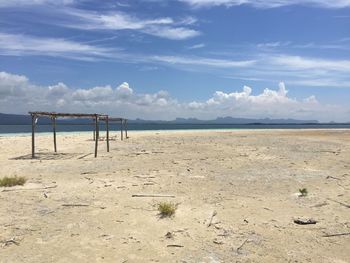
{"points": [[122, 100]]}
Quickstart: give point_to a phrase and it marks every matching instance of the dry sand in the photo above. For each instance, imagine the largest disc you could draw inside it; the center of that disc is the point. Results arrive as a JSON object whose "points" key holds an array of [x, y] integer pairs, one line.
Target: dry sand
{"points": [[249, 177]]}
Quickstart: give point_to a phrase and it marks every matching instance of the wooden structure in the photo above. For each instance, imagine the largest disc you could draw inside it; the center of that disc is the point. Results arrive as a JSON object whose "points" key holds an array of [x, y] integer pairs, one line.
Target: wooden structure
{"points": [[95, 117], [123, 125]]}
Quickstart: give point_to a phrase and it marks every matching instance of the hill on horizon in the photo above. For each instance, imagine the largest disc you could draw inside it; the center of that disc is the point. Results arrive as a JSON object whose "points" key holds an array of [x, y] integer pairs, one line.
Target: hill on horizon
{"points": [[19, 119]]}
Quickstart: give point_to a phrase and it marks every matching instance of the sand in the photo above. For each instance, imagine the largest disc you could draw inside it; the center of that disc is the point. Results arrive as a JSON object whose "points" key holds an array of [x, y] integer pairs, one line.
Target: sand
{"points": [[236, 194]]}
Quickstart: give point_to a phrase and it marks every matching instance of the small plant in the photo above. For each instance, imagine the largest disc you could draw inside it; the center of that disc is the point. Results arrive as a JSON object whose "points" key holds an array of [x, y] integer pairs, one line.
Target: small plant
{"points": [[166, 209], [12, 181], [303, 192]]}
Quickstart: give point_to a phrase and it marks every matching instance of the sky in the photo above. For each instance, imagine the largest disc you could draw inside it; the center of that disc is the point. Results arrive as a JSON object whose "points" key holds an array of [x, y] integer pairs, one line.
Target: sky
{"points": [[160, 60]]}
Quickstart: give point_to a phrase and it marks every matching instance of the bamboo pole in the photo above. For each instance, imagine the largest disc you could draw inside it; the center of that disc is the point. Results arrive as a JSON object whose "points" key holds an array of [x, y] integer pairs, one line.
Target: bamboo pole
{"points": [[97, 135], [93, 132], [121, 129], [107, 133], [54, 132], [126, 128], [33, 135]]}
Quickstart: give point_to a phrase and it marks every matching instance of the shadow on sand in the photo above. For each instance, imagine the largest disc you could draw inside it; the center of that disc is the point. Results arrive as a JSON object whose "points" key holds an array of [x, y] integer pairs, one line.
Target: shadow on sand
{"points": [[52, 156]]}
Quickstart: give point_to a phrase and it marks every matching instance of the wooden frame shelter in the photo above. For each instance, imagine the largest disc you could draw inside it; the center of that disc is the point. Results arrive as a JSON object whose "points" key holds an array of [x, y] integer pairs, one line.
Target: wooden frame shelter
{"points": [[53, 115], [123, 124]]}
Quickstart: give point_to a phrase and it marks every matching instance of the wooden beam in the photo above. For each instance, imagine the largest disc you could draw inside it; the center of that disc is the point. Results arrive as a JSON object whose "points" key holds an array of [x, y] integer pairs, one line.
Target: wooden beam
{"points": [[33, 135], [94, 131], [54, 132], [68, 115], [107, 133], [97, 135], [126, 128], [121, 129]]}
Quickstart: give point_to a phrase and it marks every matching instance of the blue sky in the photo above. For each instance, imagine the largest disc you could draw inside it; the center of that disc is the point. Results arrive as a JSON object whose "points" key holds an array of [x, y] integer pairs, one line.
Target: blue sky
{"points": [[181, 58]]}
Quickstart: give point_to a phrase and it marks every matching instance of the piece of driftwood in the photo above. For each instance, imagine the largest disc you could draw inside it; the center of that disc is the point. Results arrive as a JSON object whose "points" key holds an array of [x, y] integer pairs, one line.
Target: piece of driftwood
{"points": [[240, 247], [215, 241], [27, 189], [9, 241], [305, 221], [211, 218], [152, 195], [341, 203], [335, 235], [175, 246], [72, 205], [332, 177]]}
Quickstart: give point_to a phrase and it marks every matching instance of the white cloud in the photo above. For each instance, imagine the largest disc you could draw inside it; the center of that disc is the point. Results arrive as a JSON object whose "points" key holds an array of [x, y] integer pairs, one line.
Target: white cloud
{"points": [[164, 27], [269, 3], [269, 103], [197, 46], [94, 94], [113, 21], [11, 85], [18, 45], [296, 70], [5, 3], [174, 33], [124, 91], [297, 62], [200, 61], [124, 101]]}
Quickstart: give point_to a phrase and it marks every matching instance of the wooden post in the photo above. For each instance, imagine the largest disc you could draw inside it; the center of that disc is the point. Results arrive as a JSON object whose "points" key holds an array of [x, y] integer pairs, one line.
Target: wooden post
{"points": [[97, 135], [121, 129], [126, 128], [54, 132], [107, 133], [33, 135], [93, 132]]}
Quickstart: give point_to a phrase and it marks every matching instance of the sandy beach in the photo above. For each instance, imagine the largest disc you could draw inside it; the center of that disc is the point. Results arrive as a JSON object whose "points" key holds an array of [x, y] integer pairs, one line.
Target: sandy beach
{"points": [[237, 196]]}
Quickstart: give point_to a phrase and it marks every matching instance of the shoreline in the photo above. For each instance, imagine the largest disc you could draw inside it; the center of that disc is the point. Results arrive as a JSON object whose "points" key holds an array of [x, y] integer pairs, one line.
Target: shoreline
{"points": [[166, 131]]}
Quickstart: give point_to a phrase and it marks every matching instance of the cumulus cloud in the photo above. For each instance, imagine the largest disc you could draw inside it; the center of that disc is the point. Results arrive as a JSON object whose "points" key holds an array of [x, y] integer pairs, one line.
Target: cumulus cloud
{"points": [[122, 100], [270, 103]]}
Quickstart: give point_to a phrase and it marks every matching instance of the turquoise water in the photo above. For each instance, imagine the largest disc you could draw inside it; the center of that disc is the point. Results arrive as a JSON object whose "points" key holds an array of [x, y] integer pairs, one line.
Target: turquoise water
{"points": [[26, 129]]}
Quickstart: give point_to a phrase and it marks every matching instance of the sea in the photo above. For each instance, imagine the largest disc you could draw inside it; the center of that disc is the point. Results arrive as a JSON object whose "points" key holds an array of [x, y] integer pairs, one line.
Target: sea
{"points": [[26, 129]]}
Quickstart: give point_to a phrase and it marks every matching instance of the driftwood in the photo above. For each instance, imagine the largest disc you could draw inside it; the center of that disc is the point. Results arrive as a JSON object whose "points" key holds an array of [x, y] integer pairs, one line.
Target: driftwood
{"points": [[305, 221], [215, 241], [335, 235], [175, 246], [27, 189], [152, 195], [72, 205], [9, 241], [343, 204], [240, 247], [211, 218]]}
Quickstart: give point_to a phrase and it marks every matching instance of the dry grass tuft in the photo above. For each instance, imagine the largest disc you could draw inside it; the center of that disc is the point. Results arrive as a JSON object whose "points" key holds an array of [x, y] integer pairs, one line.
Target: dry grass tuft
{"points": [[12, 181], [303, 192], [166, 209]]}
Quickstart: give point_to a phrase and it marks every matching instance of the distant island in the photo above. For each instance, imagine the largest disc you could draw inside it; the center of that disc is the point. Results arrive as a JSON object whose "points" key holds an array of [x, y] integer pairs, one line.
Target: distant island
{"points": [[17, 119]]}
